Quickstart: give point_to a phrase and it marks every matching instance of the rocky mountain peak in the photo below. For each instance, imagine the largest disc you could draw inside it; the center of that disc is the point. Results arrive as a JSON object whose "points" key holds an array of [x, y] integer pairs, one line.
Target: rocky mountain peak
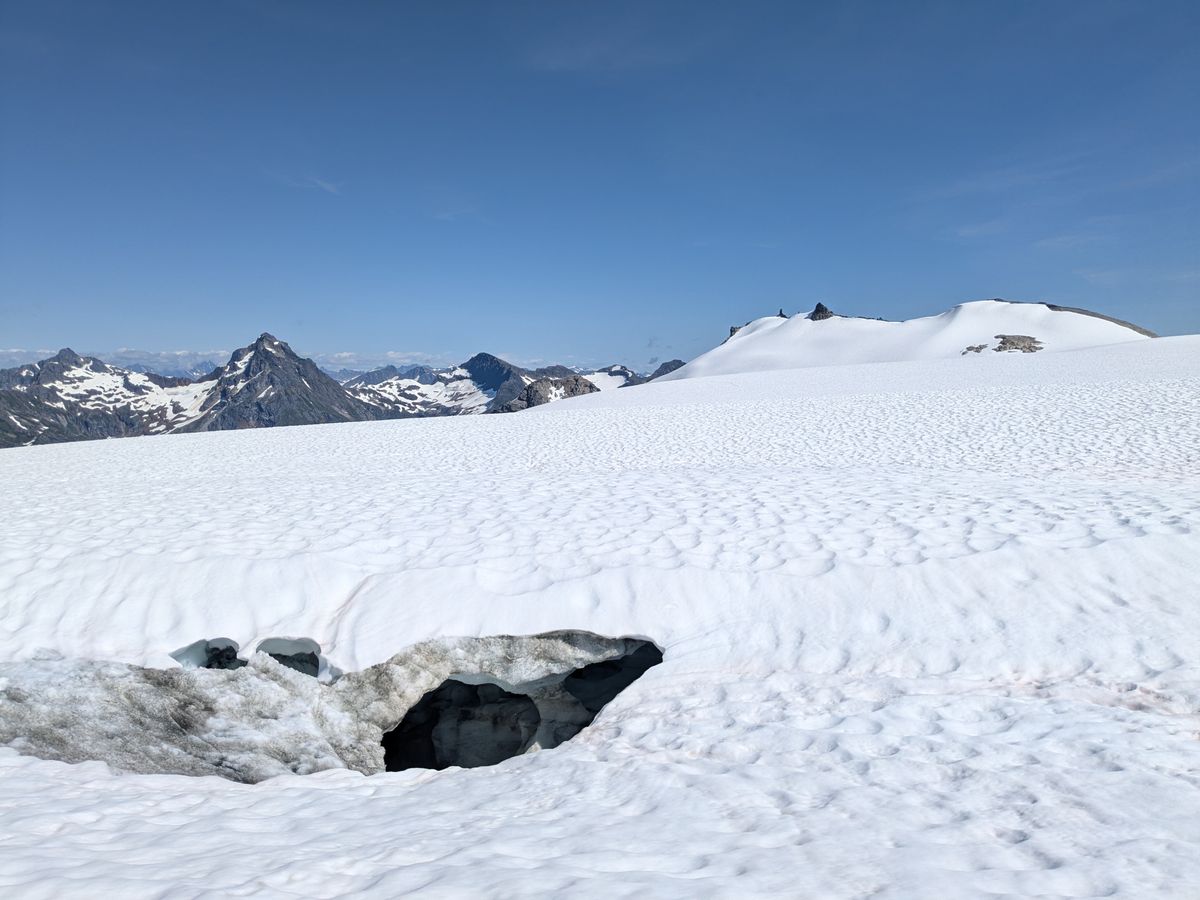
{"points": [[66, 357], [267, 383], [497, 376]]}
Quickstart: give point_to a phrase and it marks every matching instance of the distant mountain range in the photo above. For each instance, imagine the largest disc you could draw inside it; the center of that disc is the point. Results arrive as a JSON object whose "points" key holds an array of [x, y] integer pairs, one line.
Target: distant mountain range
{"points": [[69, 397]]}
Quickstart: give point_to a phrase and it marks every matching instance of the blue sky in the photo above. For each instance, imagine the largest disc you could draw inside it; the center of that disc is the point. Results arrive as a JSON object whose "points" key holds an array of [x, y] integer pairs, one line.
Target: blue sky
{"points": [[584, 182]]}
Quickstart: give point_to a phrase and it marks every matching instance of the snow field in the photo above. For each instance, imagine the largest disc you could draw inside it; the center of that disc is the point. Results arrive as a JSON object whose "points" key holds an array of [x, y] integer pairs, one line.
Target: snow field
{"points": [[931, 629]]}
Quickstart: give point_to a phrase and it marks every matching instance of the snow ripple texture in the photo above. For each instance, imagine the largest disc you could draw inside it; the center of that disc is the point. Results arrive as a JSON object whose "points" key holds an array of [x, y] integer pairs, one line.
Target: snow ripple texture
{"points": [[931, 628]]}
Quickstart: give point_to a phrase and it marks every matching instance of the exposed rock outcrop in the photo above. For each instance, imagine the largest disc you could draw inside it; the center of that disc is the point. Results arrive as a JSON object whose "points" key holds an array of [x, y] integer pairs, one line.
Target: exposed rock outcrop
{"points": [[547, 390], [1017, 343], [666, 368]]}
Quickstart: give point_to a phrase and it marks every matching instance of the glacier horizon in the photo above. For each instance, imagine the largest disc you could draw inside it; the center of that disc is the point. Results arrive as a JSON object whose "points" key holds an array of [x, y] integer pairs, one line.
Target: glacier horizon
{"points": [[926, 625], [67, 397]]}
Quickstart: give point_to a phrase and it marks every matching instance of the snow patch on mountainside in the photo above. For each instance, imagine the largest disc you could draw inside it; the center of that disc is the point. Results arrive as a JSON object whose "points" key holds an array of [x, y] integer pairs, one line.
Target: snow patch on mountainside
{"points": [[612, 377], [453, 391]]}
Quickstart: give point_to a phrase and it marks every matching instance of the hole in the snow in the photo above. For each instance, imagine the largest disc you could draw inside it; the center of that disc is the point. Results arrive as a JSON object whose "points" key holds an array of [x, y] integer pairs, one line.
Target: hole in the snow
{"points": [[464, 725], [595, 685], [301, 654], [214, 653], [469, 725]]}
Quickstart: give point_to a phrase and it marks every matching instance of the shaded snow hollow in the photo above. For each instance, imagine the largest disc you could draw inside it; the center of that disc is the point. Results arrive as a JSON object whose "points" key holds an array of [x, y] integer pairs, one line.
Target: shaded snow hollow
{"points": [[929, 630]]}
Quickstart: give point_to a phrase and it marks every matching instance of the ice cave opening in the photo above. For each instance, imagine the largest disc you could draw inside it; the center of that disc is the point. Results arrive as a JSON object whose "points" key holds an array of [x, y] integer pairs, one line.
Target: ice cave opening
{"points": [[213, 653], [300, 654], [459, 724], [595, 685], [481, 724]]}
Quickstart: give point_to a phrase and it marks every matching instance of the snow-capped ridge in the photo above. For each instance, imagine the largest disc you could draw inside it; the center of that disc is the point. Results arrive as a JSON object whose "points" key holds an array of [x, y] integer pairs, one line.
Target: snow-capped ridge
{"points": [[825, 338], [619, 376], [69, 397]]}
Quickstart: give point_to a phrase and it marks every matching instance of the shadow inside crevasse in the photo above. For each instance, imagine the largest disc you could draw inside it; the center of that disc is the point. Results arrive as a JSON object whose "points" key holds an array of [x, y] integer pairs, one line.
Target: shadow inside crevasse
{"points": [[464, 725], [596, 685], [481, 724]]}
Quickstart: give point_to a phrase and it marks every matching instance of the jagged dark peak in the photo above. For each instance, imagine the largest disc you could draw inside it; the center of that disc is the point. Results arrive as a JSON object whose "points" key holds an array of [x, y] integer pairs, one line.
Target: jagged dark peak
{"points": [[67, 357], [491, 372], [265, 347], [267, 341], [487, 359], [820, 312]]}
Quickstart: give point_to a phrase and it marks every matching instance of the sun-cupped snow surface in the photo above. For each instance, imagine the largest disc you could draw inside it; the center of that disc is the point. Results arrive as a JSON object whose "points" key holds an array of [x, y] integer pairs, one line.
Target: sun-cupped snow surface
{"points": [[969, 329], [930, 628]]}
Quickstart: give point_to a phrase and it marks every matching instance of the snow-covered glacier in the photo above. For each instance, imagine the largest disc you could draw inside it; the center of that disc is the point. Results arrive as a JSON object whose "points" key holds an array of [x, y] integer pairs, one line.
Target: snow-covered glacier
{"points": [[927, 628]]}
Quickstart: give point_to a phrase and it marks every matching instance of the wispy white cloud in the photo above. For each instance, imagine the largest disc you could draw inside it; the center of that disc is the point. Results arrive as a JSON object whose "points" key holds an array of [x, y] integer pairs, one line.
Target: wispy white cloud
{"points": [[1005, 179], [1167, 173], [611, 53], [15, 356], [306, 182], [353, 359], [1102, 277], [1087, 232], [455, 213], [450, 203], [609, 43], [1067, 241], [1139, 275], [321, 184], [986, 228]]}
